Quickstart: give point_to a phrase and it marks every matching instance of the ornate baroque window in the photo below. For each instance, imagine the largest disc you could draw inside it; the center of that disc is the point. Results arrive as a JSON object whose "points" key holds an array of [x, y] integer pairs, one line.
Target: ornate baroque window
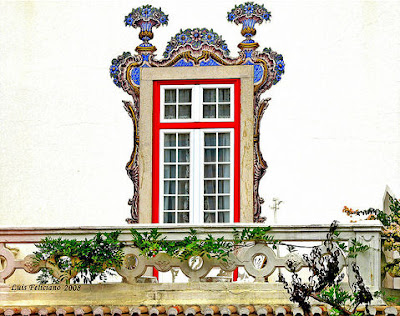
{"points": [[196, 115]]}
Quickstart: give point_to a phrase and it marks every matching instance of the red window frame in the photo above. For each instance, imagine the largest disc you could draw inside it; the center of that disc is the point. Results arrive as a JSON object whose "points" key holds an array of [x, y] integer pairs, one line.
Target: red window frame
{"points": [[157, 126]]}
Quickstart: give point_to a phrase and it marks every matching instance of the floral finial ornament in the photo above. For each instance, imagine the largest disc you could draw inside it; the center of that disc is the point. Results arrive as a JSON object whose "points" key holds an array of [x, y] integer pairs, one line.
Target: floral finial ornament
{"points": [[146, 17], [248, 14], [195, 38]]}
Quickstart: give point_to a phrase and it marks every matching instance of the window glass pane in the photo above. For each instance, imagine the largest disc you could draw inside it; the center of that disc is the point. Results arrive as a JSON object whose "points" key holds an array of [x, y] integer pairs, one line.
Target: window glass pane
{"points": [[209, 202], [185, 95], [169, 140], [223, 171], [169, 172], [178, 158], [183, 203], [224, 154], [183, 187], [209, 171], [224, 111], [170, 96], [183, 140], [210, 155], [183, 155], [209, 139], [170, 112], [209, 217], [209, 186], [184, 111], [223, 186], [209, 95], [169, 155], [169, 187], [169, 217], [224, 95], [223, 202], [183, 171], [223, 217], [224, 139], [169, 202], [209, 111], [183, 217]]}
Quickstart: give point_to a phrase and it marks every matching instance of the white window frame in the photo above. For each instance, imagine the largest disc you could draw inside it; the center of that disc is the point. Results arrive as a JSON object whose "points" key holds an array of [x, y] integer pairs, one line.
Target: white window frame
{"points": [[195, 96], [161, 173], [231, 177], [232, 103]]}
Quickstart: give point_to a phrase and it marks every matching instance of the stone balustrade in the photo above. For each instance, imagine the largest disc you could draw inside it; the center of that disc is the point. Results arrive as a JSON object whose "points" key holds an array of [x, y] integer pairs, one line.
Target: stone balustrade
{"points": [[259, 260]]}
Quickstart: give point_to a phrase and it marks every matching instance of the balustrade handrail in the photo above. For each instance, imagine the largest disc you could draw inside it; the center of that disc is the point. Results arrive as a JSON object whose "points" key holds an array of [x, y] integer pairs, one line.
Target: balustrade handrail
{"points": [[315, 232]]}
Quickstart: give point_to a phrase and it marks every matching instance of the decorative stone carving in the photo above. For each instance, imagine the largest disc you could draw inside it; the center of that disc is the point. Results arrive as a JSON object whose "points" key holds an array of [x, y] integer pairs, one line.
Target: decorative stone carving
{"points": [[163, 262], [197, 47], [31, 265], [296, 261], [8, 263], [247, 258], [258, 260], [130, 261], [197, 271], [128, 273], [230, 264]]}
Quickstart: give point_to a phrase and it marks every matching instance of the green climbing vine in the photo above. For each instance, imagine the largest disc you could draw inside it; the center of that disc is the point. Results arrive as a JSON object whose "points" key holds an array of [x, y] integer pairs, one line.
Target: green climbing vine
{"points": [[153, 242], [78, 260]]}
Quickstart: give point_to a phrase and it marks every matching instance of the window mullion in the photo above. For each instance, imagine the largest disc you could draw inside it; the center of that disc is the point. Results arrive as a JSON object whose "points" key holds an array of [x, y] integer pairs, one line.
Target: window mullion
{"points": [[201, 175], [196, 103], [192, 192]]}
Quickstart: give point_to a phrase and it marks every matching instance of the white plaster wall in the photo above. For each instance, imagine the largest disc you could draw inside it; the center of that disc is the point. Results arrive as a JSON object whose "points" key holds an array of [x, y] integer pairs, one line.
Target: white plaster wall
{"points": [[331, 135]]}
